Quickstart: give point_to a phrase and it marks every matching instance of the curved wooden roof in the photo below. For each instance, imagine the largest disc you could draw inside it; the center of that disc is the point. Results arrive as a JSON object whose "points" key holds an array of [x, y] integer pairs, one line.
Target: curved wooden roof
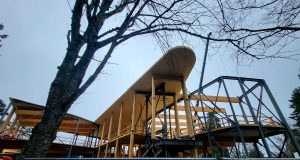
{"points": [[177, 62], [30, 114]]}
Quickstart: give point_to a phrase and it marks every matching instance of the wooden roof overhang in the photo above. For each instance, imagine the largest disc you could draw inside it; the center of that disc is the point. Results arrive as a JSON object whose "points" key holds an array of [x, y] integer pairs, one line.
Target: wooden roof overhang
{"points": [[30, 114], [175, 65]]}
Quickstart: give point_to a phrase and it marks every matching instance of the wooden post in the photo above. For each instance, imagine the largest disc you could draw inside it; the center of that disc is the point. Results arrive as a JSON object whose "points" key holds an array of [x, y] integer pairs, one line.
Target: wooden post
{"points": [[180, 154], [140, 151], [130, 154], [153, 103], [109, 135], [188, 114], [12, 126], [106, 150], [117, 148], [123, 151], [101, 140], [109, 129], [187, 110], [5, 123], [176, 117]]}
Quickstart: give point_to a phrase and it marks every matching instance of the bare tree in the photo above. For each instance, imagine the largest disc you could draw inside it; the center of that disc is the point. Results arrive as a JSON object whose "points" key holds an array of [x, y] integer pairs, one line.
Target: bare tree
{"points": [[262, 29], [162, 19]]}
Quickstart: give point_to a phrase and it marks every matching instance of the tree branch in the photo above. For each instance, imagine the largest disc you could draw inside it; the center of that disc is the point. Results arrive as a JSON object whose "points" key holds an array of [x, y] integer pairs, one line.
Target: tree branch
{"points": [[272, 29], [76, 19]]}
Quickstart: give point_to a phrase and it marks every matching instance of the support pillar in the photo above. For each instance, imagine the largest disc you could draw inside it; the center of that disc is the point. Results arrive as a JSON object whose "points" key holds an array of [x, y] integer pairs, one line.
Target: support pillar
{"points": [[5, 123], [109, 136], [153, 103], [188, 114], [187, 110], [165, 128], [257, 150], [117, 148], [176, 117], [180, 154], [130, 154], [146, 116], [255, 119], [123, 151], [101, 141], [235, 119], [140, 151], [97, 137], [106, 151]]}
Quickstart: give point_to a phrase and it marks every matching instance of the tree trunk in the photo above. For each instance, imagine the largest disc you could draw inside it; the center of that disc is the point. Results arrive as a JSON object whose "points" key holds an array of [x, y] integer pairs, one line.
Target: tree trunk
{"points": [[44, 133], [57, 105]]}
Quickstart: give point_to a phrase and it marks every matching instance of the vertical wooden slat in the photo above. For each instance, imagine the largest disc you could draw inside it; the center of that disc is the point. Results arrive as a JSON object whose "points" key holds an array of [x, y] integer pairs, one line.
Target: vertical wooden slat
{"points": [[130, 154], [109, 136], [180, 154], [140, 151], [109, 129], [153, 103], [123, 151], [188, 115], [117, 148], [106, 150], [101, 140], [176, 117], [187, 110]]}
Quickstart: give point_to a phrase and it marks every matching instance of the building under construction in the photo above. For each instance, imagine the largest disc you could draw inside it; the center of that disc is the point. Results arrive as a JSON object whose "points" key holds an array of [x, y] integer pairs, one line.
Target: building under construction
{"points": [[158, 117]]}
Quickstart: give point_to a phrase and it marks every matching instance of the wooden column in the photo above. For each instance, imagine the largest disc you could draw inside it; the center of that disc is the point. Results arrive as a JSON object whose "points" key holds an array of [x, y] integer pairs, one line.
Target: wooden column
{"points": [[101, 140], [176, 117], [106, 150], [140, 151], [12, 126], [117, 148], [108, 136], [180, 154], [110, 127], [130, 154], [153, 103], [187, 110], [123, 151], [188, 114], [5, 123]]}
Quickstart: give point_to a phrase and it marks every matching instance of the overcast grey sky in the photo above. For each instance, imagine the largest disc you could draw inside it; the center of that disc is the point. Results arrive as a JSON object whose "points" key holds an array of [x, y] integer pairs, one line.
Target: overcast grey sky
{"points": [[37, 43]]}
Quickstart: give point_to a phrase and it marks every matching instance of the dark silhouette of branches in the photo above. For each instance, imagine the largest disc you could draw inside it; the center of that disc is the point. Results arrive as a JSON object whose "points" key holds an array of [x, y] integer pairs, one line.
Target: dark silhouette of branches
{"points": [[2, 36]]}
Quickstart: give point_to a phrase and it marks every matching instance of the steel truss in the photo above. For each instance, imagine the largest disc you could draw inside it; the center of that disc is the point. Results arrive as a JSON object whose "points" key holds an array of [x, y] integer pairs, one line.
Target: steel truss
{"points": [[251, 101], [256, 117]]}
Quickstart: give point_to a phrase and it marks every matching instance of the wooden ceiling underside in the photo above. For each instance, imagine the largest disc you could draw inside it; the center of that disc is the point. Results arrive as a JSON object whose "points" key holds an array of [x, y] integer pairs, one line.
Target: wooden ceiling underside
{"points": [[176, 63], [29, 115]]}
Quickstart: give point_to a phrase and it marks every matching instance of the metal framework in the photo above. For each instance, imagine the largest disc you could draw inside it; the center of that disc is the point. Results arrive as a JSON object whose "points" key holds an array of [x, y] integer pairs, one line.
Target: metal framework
{"points": [[251, 99]]}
